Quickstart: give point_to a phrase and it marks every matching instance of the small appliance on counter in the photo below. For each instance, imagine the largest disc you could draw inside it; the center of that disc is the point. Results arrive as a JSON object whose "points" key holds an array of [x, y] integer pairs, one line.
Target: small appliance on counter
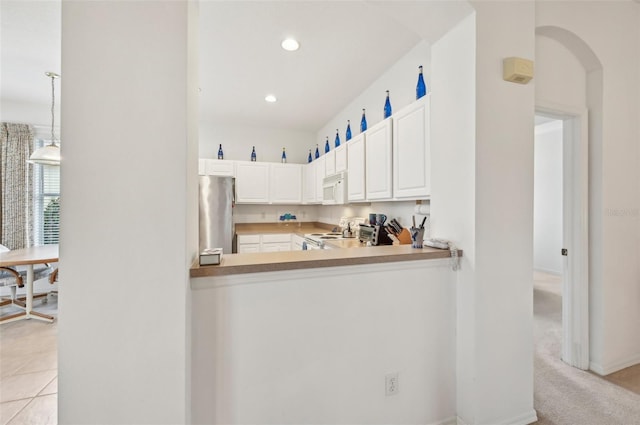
{"points": [[211, 257], [376, 235]]}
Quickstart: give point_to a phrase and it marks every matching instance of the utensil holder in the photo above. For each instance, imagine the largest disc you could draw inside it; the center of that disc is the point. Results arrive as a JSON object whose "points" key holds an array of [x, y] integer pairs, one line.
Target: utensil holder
{"points": [[417, 236]]}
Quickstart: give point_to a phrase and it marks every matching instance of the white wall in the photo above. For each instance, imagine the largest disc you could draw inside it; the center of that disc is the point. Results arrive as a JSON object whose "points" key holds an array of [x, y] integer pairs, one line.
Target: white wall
{"points": [[453, 110], [400, 210], [31, 113], [126, 248], [547, 198], [400, 80], [614, 173], [237, 141], [314, 346], [271, 213], [500, 328]]}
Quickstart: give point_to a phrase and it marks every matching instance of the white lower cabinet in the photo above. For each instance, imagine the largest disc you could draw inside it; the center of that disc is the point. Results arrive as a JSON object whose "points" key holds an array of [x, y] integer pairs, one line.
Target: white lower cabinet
{"points": [[378, 161], [356, 168], [264, 243], [296, 242], [248, 243], [276, 242]]}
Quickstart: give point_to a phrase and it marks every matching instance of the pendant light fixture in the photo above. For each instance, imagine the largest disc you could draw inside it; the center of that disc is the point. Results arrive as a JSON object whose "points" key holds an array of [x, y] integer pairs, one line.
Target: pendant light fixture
{"points": [[49, 154]]}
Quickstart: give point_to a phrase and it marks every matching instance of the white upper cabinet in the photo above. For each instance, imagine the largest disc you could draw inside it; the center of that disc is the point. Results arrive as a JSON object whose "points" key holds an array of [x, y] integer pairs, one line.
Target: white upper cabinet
{"points": [[285, 181], [320, 175], [216, 167], [356, 165], [252, 182], [341, 158], [309, 183], [411, 151], [330, 163], [378, 162]]}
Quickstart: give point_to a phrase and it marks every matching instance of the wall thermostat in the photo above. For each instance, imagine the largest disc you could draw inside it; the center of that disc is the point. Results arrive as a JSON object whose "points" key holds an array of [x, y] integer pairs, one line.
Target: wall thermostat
{"points": [[517, 70]]}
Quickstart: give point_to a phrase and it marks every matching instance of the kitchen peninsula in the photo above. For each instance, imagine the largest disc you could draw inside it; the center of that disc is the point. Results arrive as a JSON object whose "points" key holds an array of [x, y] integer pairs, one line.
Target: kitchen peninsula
{"points": [[275, 333]]}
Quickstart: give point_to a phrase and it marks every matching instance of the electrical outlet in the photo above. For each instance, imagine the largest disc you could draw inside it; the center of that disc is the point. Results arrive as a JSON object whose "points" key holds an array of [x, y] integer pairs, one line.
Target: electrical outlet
{"points": [[391, 384]]}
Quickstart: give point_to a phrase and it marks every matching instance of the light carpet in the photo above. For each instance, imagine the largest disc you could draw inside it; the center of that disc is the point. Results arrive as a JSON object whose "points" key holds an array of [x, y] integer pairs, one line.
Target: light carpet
{"points": [[564, 395]]}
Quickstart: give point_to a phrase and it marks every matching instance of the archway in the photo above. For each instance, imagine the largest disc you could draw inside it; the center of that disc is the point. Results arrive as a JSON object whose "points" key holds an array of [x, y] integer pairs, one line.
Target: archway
{"points": [[583, 195]]}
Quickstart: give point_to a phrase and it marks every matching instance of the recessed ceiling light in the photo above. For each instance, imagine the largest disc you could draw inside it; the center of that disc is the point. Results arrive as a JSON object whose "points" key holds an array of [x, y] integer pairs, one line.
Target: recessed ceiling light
{"points": [[289, 44], [270, 98]]}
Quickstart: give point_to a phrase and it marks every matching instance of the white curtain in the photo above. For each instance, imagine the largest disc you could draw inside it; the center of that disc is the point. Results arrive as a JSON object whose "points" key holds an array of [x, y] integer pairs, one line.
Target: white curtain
{"points": [[16, 185]]}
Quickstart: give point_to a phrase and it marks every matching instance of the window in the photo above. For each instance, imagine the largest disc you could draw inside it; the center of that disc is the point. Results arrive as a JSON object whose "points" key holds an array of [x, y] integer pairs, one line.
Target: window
{"points": [[46, 199]]}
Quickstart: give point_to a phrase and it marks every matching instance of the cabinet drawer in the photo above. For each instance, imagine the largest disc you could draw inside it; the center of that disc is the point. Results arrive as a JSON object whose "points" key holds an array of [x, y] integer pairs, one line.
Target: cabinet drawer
{"points": [[271, 238], [248, 239]]}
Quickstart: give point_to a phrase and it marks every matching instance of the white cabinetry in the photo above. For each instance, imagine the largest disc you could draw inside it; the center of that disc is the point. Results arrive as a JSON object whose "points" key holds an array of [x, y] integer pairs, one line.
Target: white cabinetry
{"points": [[356, 166], [411, 151], [252, 182], [320, 175], [248, 243], [264, 243], [285, 183], [309, 183], [378, 161], [216, 167], [296, 242], [341, 158], [275, 243], [330, 163]]}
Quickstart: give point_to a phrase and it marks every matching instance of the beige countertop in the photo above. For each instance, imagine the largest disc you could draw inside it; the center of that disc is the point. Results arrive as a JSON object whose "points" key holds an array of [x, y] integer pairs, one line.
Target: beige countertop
{"points": [[291, 260]]}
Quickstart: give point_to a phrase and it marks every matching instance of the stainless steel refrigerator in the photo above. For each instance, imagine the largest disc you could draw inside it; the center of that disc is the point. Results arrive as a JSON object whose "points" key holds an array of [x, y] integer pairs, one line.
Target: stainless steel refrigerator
{"points": [[217, 229]]}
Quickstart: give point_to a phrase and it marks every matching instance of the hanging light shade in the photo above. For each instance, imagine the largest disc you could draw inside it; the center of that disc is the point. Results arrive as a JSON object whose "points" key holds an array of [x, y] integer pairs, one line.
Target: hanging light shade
{"points": [[49, 154]]}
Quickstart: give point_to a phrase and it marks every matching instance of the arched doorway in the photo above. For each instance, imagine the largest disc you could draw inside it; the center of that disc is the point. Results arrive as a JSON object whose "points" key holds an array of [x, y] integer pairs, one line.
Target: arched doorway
{"points": [[582, 142]]}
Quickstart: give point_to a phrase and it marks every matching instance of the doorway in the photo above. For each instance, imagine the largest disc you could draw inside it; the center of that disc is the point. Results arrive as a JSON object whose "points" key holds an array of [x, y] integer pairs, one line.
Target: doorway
{"points": [[561, 220]]}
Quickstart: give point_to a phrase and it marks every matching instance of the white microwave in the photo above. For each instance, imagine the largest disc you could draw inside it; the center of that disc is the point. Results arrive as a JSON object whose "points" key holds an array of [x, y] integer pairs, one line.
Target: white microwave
{"points": [[334, 189]]}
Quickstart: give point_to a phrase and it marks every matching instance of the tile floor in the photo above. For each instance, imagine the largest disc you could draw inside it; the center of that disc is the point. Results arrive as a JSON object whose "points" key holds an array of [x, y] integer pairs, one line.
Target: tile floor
{"points": [[29, 368]]}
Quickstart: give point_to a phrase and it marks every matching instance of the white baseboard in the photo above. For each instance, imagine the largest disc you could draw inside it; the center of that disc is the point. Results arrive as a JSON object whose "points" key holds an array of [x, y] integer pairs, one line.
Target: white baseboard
{"points": [[449, 421], [614, 367], [553, 272], [459, 421], [523, 419]]}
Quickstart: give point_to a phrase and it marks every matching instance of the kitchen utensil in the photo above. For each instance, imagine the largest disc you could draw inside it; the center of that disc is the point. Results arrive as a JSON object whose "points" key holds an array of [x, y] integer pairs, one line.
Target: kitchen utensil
{"points": [[417, 236], [423, 220], [397, 227], [380, 219]]}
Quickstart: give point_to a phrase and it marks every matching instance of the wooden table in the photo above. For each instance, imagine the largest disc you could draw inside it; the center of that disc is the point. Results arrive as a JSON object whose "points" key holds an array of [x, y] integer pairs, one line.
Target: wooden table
{"points": [[29, 257]]}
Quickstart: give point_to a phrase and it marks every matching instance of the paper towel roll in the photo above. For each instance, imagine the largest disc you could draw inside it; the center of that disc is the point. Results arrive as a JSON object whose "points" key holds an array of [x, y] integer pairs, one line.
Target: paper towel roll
{"points": [[423, 209]]}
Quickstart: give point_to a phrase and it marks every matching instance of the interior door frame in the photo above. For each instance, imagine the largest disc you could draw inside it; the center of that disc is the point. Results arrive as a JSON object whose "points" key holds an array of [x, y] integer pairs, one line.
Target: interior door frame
{"points": [[575, 229]]}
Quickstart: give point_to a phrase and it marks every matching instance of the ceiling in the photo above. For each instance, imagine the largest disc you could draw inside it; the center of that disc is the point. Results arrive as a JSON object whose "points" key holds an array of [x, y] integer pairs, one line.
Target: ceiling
{"points": [[344, 47], [30, 45]]}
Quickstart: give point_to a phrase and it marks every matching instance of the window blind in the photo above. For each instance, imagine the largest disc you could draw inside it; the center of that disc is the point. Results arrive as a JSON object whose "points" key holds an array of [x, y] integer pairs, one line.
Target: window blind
{"points": [[46, 210]]}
